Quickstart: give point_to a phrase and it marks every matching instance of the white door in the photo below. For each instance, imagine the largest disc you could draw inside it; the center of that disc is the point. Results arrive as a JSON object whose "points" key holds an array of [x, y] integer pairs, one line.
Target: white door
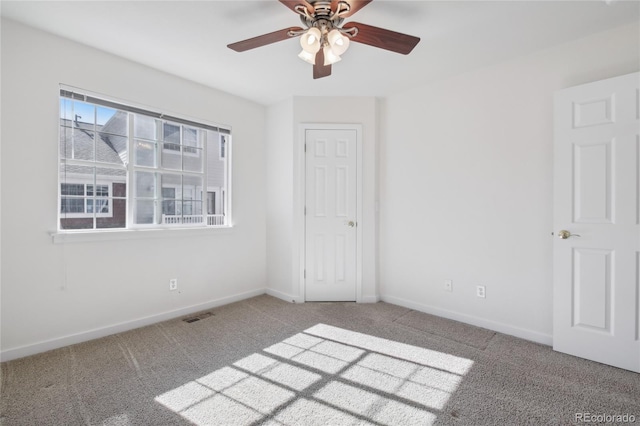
{"points": [[330, 218], [596, 196]]}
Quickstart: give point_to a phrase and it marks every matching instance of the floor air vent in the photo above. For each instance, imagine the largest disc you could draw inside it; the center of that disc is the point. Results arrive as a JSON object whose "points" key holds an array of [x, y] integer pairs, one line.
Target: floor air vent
{"points": [[198, 317]]}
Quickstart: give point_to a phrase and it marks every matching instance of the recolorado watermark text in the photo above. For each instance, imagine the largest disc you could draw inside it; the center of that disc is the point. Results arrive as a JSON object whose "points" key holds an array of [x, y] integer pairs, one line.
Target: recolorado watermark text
{"points": [[604, 418]]}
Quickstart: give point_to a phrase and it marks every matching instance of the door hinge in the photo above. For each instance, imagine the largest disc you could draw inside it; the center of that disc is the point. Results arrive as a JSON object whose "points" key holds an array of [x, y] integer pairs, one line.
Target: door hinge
{"points": [[305, 210], [305, 273], [305, 147]]}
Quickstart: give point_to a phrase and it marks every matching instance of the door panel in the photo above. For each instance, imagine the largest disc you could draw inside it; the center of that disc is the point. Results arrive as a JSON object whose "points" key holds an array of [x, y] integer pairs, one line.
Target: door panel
{"points": [[592, 183], [596, 193], [330, 219]]}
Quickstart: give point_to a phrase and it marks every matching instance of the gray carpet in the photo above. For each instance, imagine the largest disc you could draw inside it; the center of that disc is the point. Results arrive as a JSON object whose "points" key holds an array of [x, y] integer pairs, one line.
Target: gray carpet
{"points": [[263, 361], [454, 330]]}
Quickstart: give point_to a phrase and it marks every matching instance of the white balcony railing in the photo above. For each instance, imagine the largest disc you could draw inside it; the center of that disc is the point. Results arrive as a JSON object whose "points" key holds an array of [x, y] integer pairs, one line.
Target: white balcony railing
{"points": [[212, 219]]}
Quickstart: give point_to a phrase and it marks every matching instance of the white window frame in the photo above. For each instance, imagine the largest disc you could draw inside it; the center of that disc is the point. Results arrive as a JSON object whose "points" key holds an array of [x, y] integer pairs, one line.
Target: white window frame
{"points": [[130, 167]]}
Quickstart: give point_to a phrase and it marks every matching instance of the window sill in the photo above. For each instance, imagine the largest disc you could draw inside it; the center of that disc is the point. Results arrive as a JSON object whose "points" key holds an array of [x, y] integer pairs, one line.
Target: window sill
{"points": [[61, 237]]}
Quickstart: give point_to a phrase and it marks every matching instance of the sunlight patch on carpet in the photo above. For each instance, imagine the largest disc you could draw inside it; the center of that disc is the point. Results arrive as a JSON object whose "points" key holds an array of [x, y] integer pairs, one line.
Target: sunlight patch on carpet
{"points": [[324, 375]]}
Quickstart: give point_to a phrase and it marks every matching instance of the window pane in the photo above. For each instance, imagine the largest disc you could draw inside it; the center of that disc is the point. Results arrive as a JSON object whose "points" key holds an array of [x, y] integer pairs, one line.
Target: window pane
{"points": [[66, 142], [171, 157], [192, 187], [171, 133], [211, 203], [192, 159], [145, 127], [145, 211], [145, 184], [72, 189], [145, 154], [111, 148], [81, 146], [216, 166], [106, 175], [118, 216], [192, 208], [102, 190], [190, 137], [169, 207], [112, 121], [77, 223], [168, 201], [72, 205], [83, 115], [66, 111], [171, 181], [98, 205], [191, 195]]}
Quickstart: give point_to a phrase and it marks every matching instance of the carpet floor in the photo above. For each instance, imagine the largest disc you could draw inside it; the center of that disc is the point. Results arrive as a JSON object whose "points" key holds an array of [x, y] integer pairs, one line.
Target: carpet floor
{"points": [[263, 361]]}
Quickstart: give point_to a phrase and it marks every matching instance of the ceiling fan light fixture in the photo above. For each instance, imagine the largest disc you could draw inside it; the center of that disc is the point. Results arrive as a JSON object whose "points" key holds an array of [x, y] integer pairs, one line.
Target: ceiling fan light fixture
{"points": [[310, 41], [330, 57], [322, 28], [307, 57], [339, 42]]}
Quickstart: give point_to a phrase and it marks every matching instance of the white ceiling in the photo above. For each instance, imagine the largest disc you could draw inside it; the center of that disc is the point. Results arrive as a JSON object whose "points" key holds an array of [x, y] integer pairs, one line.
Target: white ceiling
{"points": [[189, 38]]}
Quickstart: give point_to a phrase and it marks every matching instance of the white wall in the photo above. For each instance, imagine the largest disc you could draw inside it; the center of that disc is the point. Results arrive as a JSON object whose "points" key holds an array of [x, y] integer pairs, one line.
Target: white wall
{"points": [[53, 294], [284, 178], [280, 207], [466, 185]]}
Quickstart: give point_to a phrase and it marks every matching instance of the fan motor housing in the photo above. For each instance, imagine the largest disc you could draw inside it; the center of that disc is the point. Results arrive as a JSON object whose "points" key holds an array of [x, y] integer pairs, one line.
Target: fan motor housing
{"points": [[322, 15]]}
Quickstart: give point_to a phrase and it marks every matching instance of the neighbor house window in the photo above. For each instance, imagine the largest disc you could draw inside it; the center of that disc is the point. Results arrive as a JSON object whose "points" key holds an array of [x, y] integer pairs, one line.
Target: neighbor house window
{"points": [[83, 200], [223, 146], [127, 167]]}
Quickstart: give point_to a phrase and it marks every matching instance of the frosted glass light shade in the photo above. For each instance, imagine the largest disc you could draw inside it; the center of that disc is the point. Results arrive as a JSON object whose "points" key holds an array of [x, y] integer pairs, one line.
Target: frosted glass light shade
{"points": [[307, 57], [339, 43], [330, 56], [310, 41]]}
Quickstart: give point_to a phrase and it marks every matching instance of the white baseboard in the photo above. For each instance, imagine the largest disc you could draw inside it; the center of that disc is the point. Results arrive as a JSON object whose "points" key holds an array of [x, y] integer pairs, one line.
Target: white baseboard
{"points": [[84, 336], [298, 299], [523, 333], [284, 296]]}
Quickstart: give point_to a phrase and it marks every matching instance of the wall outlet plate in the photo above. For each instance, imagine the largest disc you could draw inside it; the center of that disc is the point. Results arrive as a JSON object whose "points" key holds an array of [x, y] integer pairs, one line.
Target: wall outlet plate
{"points": [[173, 284], [448, 285], [481, 291]]}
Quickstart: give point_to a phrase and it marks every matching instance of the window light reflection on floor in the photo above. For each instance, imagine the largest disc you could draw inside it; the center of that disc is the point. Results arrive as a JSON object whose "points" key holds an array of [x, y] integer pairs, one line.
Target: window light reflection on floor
{"points": [[325, 375]]}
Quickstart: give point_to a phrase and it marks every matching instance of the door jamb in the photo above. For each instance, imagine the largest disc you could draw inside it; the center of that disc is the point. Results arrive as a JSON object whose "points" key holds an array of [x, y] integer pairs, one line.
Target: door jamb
{"points": [[299, 179]]}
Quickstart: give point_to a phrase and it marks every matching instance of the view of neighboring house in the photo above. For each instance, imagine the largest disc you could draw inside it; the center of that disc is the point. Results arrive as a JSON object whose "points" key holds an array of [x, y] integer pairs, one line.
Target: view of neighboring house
{"points": [[168, 169]]}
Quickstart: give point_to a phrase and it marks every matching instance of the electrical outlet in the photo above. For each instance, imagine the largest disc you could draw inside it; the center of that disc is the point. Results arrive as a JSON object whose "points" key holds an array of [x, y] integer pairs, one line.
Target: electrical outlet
{"points": [[448, 285], [173, 284], [480, 291]]}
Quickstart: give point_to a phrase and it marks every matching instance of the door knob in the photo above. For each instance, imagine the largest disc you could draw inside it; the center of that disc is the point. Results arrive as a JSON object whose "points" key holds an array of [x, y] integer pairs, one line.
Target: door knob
{"points": [[564, 234], [351, 224]]}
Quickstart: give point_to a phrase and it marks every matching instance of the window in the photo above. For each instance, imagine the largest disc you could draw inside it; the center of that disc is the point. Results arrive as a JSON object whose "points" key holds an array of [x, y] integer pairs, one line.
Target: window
{"points": [[80, 200], [125, 167]]}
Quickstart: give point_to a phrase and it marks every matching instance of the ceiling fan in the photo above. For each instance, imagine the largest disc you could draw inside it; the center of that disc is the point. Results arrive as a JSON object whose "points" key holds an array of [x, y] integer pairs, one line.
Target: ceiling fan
{"points": [[324, 38]]}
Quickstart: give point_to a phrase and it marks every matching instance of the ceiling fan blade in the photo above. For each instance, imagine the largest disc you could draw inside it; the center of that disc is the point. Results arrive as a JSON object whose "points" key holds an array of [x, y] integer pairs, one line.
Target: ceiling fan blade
{"points": [[356, 5], [321, 70], [262, 40], [291, 4], [384, 39]]}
